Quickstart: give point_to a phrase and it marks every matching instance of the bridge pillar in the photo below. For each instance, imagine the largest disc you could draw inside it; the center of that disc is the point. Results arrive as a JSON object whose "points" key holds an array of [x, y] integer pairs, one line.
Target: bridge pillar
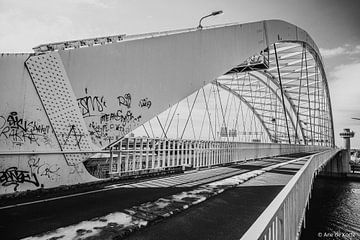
{"points": [[346, 135], [339, 165]]}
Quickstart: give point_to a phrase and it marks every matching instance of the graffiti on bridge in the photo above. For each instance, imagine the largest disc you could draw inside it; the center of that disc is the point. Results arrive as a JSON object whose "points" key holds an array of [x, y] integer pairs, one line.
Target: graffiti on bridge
{"points": [[145, 102], [105, 124], [90, 105], [13, 176], [125, 100], [20, 131], [118, 121], [43, 169], [73, 136]]}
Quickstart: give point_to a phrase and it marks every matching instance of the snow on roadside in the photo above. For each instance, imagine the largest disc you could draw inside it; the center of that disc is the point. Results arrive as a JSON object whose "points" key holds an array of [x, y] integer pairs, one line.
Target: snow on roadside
{"points": [[90, 228]]}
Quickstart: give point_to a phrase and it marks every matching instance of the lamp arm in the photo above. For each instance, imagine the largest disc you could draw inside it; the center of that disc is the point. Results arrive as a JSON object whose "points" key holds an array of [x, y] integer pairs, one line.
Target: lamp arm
{"points": [[202, 19]]}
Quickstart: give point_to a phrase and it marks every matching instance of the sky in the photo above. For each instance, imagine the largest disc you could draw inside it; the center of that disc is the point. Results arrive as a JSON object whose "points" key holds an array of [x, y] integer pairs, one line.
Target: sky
{"points": [[333, 24]]}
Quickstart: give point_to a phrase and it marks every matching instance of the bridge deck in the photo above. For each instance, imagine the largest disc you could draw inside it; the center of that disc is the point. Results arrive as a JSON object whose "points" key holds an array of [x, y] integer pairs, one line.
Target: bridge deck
{"points": [[238, 207], [228, 215]]}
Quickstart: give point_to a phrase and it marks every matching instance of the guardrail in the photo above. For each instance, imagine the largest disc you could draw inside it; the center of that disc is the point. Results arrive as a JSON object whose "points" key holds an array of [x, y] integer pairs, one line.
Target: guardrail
{"points": [[137, 155], [142, 154], [283, 218]]}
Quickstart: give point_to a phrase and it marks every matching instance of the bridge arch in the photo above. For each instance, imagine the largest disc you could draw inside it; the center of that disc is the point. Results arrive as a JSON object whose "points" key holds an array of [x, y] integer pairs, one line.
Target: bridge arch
{"points": [[89, 94], [298, 70]]}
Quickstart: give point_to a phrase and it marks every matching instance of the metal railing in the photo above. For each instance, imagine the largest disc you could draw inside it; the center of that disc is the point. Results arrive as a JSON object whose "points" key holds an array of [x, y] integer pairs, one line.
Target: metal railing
{"points": [[146, 154], [88, 42], [283, 218], [140, 155]]}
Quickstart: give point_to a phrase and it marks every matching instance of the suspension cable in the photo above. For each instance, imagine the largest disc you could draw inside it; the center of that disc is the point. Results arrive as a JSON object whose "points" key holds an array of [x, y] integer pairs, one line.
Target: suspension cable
{"points": [[282, 93], [298, 105], [222, 111], [308, 94], [145, 131], [192, 107], [152, 131], [161, 126], [207, 109], [172, 117], [191, 121], [167, 119]]}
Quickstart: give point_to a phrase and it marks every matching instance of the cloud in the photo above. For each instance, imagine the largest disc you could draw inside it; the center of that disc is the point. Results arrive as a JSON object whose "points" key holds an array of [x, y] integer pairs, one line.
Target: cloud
{"points": [[345, 98], [94, 3], [25, 33], [332, 52], [346, 49]]}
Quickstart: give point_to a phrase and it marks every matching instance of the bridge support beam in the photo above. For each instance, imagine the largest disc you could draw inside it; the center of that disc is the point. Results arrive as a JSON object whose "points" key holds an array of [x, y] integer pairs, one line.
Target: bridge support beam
{"points": [[339, 165]]}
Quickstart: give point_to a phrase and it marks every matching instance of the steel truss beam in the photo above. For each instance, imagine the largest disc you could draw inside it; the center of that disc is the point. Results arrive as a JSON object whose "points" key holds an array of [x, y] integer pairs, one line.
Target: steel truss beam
{"points": [[258, 116]]}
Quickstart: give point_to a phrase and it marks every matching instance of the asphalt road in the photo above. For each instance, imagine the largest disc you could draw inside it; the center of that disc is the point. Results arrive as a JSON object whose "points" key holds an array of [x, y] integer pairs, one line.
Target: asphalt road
{"points": [[35, 218]]}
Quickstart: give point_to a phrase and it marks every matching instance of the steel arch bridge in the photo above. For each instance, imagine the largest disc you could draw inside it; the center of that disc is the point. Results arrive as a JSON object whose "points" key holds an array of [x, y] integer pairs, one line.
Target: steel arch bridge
{"points": [[159, 100]]}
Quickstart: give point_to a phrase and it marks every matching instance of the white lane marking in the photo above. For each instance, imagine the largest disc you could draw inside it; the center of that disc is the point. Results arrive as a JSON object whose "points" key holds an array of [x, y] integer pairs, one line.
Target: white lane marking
{"points": [[148, 184], [183, 180], [165, 183], [55, 198]]}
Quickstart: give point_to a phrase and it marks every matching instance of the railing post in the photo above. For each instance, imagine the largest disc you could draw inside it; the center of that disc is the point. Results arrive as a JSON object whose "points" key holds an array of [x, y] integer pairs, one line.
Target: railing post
{"points": [[218, 153], [221, 152], [199, 154], [191, 152], [178, 159], [173, 146], [188, 162], [212, 153], [183, 154], [127, 155], [147, 153], [237, 152], [205, 154], [119, 158], [280, 224], [141, 154], [153, 155], [163, 153], [111, 163], [167, 146], [133, 168], [228, 151]]}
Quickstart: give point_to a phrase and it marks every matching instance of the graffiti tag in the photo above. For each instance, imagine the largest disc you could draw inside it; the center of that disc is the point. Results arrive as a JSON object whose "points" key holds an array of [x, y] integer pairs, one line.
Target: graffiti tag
{"points": [[125, 100], [44, 169], [19, 130], [90, 104], [145, 102], [74, 134], [13, 176]]}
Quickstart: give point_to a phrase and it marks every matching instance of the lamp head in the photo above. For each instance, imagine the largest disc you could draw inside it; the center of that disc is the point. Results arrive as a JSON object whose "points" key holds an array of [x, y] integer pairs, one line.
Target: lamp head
{"points": [[216, 13]]}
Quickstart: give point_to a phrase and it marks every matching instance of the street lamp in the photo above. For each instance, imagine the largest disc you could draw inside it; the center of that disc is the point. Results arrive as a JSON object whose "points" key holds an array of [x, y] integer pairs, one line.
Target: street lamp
{"points": [[211, 14]]}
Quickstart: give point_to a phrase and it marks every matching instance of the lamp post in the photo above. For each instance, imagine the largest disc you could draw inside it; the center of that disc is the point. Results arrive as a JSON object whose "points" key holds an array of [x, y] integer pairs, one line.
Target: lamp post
{"points": [[211, 14]]}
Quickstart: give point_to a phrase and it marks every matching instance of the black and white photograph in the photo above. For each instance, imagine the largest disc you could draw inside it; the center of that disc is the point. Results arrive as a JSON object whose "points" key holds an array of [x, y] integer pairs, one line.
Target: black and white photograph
{"points": [[180, 120]]}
